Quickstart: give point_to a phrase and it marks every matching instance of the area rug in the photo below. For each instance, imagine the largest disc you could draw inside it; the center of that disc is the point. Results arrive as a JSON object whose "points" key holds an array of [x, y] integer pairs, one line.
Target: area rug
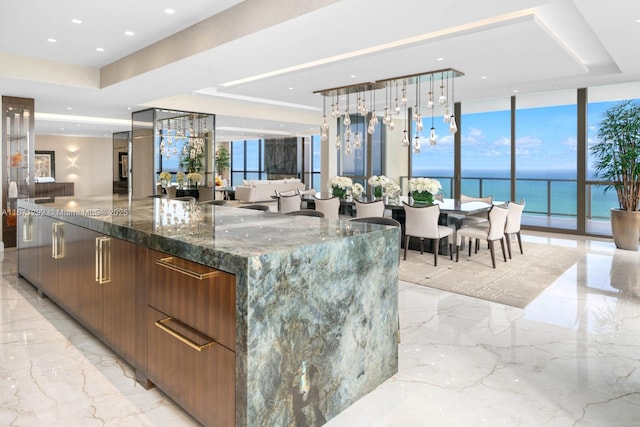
{"points": [[516, 283]]}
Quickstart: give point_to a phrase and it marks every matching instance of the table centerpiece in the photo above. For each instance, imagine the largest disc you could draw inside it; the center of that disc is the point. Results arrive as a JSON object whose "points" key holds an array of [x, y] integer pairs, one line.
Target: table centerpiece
{"points": [[423, 189]]}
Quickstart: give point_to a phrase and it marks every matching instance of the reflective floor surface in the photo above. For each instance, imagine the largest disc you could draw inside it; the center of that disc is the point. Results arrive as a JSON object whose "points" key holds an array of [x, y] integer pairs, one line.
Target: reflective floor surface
{"points": [[571, 358]]}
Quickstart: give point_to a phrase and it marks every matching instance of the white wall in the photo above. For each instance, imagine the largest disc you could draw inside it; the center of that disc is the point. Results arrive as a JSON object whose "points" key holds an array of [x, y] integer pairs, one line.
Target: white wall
{"points": [[85, 161]]}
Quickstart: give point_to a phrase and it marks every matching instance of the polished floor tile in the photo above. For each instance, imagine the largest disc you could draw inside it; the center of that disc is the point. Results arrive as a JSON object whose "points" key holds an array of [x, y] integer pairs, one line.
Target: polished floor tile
{"points": [[570, 358]]}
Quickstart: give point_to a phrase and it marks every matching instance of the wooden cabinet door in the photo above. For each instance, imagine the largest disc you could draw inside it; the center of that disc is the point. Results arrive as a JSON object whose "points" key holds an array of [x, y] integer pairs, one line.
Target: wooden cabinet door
{"points": [[48, 265], [67, 269], [29, 241], [119, 298], [194, 371], [89, 290]]}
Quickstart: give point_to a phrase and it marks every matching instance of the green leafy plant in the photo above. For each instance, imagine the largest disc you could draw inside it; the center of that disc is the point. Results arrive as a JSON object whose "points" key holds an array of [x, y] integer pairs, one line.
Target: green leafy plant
{"points": [[222, 160], [617, 152]]}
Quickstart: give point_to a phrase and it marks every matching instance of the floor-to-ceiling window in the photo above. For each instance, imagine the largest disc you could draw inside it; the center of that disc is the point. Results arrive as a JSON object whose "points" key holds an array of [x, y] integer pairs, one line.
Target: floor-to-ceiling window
{"points": [[599, 198], [435, 159], [312, 162], [546, 159], [485, 149], [247, 160]]}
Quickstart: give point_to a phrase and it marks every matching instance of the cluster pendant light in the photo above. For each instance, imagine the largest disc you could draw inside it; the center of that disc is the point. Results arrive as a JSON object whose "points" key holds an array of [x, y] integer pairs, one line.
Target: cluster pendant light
{"points": [[440, 95]]}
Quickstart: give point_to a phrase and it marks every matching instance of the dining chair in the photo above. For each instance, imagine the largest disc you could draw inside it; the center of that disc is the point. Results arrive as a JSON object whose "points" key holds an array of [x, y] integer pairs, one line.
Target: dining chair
{"points": [[383, 220], [214, 202], [423, 223], [264, 208], [171, 192], [287, 204], [514, 220], [495, 231], [479, 218], [307, 212], [369, 209], [329, 207]]}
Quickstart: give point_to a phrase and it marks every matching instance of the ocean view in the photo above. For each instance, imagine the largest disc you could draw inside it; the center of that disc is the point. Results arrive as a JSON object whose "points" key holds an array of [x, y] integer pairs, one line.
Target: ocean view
{"points": [[545, 192]]}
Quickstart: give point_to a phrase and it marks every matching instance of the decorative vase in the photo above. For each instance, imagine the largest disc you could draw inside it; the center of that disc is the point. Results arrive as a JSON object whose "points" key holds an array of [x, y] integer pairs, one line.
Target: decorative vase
{"points": [[625, 227], [338, 192], [422, 197], [193, 185], [377, 192]]}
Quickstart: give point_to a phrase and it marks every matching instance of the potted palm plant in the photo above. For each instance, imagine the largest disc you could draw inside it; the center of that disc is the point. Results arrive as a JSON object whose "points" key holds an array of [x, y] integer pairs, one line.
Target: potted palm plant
{"points": [[222, 160], [617, 159]]}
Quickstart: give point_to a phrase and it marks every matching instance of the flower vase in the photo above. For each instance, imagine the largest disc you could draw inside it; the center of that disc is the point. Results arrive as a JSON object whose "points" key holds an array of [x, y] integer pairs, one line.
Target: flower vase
{"points": [[338, 192], [422, 197], [377, 192]]}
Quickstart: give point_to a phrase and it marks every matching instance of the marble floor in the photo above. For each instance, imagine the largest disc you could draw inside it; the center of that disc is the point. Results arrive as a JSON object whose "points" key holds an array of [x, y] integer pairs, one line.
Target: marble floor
{"points": [[571, 358]]}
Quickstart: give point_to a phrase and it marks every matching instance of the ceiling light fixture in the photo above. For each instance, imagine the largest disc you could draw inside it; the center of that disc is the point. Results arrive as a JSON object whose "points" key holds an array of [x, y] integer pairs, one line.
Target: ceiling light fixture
{"points": [[446, 76], [129, 33], [50, 40], [169, 11], [99, 49], [76, 21]]}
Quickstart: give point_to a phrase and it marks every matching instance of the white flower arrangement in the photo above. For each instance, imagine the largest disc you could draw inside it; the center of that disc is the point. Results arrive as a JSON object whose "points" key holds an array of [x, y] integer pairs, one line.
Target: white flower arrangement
{"points": [[378, 181], [342, 182], [357, 190], [420, 185], [165, 176], [194, 177], [392, 189], [180, 177]]}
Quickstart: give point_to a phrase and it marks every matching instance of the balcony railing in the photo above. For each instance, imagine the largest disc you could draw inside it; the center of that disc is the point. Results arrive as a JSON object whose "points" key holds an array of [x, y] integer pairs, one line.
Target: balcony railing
{"points": [[544, 197]]}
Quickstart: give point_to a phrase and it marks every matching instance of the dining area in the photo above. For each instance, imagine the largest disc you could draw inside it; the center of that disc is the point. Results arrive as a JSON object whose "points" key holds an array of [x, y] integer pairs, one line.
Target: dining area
{"points": [[434, 224]]}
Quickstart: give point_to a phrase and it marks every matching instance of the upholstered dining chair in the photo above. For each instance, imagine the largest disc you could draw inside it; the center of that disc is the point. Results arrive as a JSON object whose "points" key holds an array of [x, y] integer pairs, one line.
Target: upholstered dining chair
{"points": [[495, 231], [369, 209], [307, 212], [329, 207], [171, 192], [476, 219], [287, 204], [514, 220], [263, 208], [214, 202], [423, 223]]}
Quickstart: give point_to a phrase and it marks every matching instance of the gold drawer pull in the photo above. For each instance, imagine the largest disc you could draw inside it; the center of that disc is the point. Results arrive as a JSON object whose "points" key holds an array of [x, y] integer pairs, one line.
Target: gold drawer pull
{"points": [[162, 324], [57, 240], [168, 263]]}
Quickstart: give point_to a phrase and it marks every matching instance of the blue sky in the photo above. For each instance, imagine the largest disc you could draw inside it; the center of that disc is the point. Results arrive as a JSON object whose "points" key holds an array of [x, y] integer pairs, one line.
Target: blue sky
{"points": [[545, 140]]}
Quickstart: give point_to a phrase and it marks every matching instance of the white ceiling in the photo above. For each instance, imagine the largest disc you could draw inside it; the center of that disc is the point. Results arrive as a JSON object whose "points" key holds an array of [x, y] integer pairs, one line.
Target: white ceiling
{"points": [[288, 49]]}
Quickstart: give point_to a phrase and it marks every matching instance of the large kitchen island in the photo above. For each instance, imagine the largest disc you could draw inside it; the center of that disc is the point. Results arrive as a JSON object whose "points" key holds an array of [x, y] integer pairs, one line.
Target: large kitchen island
{"points": [[242, 317]]}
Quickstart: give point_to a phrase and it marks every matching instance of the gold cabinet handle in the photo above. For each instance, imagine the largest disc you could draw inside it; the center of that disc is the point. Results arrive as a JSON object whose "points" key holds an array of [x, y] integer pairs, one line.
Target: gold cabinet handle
{"points": [[57, 240], [168, 263], [103, 259], [27, 227], [163, 324]]}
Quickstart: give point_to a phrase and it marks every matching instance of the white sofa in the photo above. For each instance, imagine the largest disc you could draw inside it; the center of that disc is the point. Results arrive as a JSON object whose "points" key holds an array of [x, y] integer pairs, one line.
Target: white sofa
{"points": [[262, 190]]}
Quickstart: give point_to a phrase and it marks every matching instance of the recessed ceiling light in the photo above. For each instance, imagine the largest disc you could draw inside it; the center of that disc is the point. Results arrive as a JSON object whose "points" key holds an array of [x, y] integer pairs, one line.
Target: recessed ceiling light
{"points": [[129, 33], [290, 87], [69, 108], [128, 108], [169, 11], [100, 49], [515, 91], [353, 76], [484, 77], [76, 21], [439, 59], [50, 40]]}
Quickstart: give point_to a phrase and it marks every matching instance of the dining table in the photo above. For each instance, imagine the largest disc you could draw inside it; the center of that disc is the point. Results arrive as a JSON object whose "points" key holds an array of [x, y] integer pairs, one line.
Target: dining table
{"points": [[452, 213]]}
